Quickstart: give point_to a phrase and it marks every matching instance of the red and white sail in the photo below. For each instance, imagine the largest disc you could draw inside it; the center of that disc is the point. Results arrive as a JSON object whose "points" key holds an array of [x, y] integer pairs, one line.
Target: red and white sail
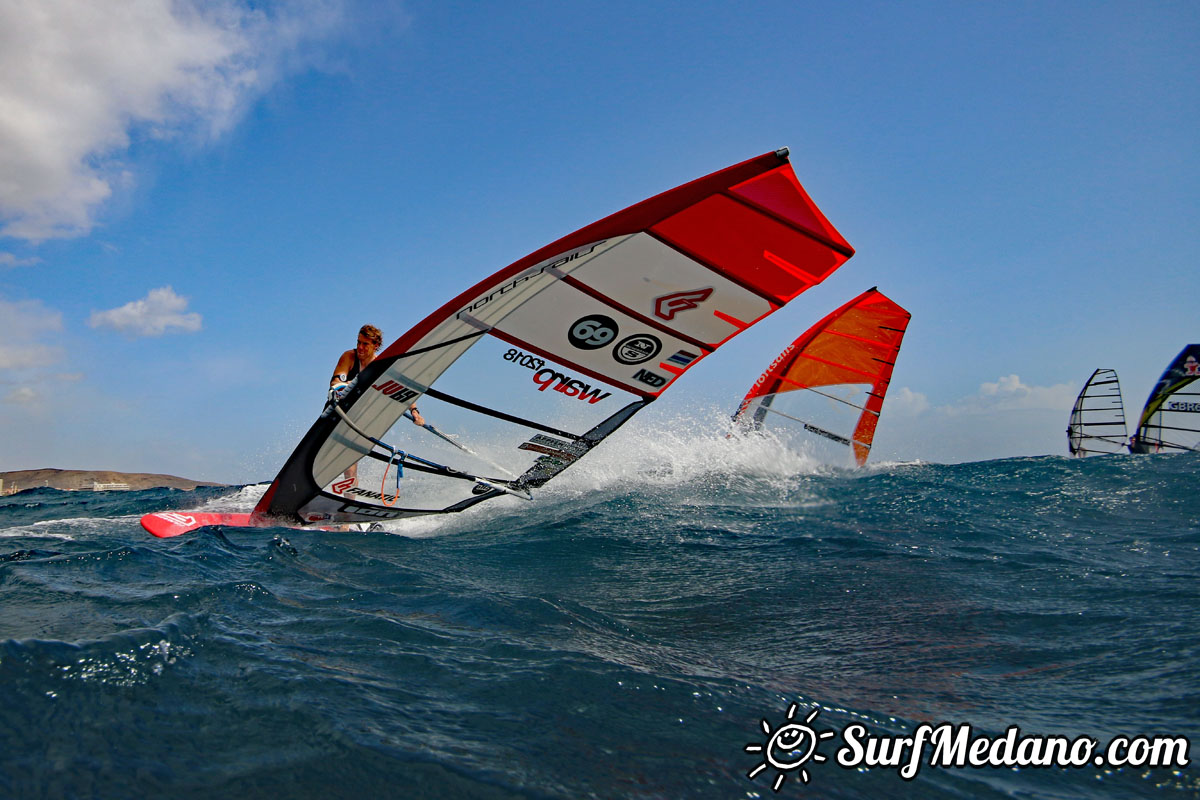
{"points": [[530, 368]]}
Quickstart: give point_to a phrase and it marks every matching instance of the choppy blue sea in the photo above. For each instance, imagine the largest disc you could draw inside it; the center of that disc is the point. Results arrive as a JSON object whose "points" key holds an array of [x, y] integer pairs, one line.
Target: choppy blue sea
{"points": [[627, 634]]}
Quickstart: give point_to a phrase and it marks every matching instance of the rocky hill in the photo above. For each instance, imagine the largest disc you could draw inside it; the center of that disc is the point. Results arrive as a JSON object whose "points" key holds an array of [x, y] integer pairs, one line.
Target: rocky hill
{"points": [[73, 479]]}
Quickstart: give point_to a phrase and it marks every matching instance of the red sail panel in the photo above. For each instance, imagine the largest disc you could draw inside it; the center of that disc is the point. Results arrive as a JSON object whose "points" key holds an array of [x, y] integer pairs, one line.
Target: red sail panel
{"points": [[781, 193], [763, 253]]}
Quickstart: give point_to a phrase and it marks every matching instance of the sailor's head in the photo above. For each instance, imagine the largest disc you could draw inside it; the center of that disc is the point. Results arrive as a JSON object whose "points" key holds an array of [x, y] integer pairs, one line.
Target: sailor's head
{"points": [[369, 340]]}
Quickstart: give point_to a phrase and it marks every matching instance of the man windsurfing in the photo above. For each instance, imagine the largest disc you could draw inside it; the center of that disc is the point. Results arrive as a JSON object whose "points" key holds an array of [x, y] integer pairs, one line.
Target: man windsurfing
{"points": [[352, 362]]}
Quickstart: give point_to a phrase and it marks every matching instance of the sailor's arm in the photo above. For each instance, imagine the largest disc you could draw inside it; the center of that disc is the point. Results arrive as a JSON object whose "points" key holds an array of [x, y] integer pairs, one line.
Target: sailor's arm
{"points": [[342, 371]]}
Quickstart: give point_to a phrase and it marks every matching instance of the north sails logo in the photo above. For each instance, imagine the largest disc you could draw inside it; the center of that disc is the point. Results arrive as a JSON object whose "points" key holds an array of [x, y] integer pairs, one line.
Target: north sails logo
{"points": [[667, 306], [762, 378], [550, 266]]}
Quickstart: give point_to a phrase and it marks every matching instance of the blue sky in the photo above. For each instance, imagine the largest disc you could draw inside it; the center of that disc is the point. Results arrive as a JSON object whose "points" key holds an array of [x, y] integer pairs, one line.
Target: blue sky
{"points": [[201, 202]]}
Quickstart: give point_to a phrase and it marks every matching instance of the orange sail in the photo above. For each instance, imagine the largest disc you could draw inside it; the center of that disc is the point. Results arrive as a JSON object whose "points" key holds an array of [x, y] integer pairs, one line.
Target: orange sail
{"points": [[832, 380]]}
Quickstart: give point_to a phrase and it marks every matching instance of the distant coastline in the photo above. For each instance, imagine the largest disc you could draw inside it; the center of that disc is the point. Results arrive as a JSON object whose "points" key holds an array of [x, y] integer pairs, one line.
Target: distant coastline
{"points": [[73, 480]]}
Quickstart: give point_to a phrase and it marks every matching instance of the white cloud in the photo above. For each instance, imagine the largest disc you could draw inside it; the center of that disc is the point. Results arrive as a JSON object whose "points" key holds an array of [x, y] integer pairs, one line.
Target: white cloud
{"points": [[905, 402], [22, 396], [1010, 394], [40, 391], [157, 313], [22, 324], [9, 260], [78, 79]]}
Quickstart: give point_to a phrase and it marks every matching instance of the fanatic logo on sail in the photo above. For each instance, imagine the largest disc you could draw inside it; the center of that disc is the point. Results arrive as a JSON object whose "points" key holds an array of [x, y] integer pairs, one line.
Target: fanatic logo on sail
{"points": [[668, 305]]}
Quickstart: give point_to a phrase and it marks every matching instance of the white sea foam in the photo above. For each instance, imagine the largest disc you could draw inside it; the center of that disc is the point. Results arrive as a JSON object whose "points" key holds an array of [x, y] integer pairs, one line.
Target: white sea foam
{"points": [[653, 451], [683, 448], [240, 502]]}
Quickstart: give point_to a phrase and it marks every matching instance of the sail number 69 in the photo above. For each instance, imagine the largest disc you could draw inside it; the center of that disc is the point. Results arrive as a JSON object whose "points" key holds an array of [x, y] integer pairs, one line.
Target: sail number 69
{"points": [[593, 332]]}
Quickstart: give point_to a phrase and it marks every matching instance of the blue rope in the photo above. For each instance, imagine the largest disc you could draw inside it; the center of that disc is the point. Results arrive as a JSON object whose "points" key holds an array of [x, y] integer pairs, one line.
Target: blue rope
{"points": [[399, 465]]}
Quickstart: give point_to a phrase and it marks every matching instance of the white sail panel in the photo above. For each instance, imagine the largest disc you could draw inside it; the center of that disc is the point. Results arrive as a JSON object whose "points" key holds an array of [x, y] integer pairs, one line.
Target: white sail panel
{"points": [[1097, 423], [670, 290]]}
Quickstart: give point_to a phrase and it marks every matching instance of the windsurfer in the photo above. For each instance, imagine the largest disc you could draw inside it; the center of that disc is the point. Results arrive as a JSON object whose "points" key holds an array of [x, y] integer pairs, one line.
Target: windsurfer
{"points": [[352, 362]]}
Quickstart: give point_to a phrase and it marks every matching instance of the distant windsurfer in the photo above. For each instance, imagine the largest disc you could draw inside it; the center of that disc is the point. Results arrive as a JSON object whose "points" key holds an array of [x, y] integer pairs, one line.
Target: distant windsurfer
{"points": [[352, 362]]}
